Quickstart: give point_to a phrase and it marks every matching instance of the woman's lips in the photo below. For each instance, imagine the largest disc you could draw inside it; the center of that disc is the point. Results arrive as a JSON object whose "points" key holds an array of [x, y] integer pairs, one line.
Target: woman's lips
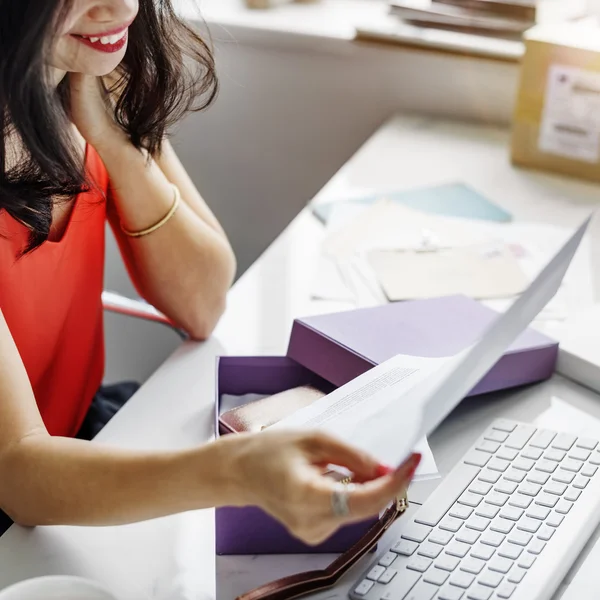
{"points": [[105, 43]]}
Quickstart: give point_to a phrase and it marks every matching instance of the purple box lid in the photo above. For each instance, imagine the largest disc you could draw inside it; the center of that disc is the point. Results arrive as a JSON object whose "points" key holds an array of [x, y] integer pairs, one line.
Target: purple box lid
{"points": [[341, 346]]}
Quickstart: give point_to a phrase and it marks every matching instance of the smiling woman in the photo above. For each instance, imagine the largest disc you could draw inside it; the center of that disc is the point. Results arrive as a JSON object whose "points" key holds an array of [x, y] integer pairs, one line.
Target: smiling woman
{"points": [[88, 90]]}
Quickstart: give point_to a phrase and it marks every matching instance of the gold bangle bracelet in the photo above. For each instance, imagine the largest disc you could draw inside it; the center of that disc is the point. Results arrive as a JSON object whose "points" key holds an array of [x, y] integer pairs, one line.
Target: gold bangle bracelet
{"points": [[167, 217]]}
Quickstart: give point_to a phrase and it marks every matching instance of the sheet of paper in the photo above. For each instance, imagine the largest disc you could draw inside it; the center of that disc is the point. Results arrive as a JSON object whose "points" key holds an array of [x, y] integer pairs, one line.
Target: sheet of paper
{"points": [[349, 411], [480, 272]]}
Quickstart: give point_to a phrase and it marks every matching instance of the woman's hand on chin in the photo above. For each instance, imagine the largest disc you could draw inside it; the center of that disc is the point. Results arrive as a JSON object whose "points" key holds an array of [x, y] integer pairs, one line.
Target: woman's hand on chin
{"points": [[92, 111]]}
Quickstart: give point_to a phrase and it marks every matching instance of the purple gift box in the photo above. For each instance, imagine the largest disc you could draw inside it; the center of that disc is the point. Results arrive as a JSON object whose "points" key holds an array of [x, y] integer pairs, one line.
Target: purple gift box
{"points": [[329, 350], [249, 530], [341, 346]]}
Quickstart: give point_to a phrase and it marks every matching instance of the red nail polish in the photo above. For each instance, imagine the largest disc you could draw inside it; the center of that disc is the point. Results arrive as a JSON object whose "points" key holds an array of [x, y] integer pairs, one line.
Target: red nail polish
{"points": [[383, 470]]}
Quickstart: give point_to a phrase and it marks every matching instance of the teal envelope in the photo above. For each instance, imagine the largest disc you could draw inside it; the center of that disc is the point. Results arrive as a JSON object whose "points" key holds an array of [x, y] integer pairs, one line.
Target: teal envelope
{"points": [[451, 200]]}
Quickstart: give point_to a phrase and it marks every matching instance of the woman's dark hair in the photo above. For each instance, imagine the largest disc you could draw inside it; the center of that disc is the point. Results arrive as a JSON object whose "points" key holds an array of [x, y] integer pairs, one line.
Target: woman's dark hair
{"points": [[167, 71]]}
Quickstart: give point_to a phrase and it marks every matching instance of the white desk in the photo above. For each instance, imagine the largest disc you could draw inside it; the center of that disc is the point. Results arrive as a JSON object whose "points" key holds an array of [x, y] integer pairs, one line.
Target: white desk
{"points": [[174, 408]]}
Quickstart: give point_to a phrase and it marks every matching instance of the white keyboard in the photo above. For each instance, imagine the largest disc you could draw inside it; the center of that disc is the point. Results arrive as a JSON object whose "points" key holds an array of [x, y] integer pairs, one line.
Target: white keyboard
{"points": [[506, 523]]}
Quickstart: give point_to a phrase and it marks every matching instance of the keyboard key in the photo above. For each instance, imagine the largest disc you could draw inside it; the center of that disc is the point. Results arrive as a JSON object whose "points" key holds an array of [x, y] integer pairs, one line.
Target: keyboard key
{"points": [[416, 533], [587, 443], [512, 513], [545, 533], [494, 435], [469, 499], [580, 482], [492, 538], [429, 550], [520, 501], [472, 565], [555, 455], [387, 559], [491, 579], [523, 464], [479, 592], [515, 475], [536, 546], [563, 476], [556, 488], [546, 466], [537, 512], [526, 560], [506, 590], [500, 565], [569, 464], [502, 525], [564, 441], [447, 563], [402, 585], [450, 489], [497, 499], [589, 470], [451, 524], [436, 576], [480, 487], [519, 537], [579, 453], [510, 550], [528, 525], [440, 537], [458, 549], [542, 439], [459, 511], [461, 579], [489, 511], [573, 495], [520, 436], [487, 446], [563, 507], [545, 499], [504, 425], [419, 563], [423, 591], [538, 477], [507, 453], [375, 573], [530, 489], [516, 575], [497, 464], [482, 551], [506, 487], [405, 548], [477, 523], [451, 593], [555, 519], [489, 476], [363, 588], [595, 458], [532, 453], [467, 536], [476, 458], [388, 576]]}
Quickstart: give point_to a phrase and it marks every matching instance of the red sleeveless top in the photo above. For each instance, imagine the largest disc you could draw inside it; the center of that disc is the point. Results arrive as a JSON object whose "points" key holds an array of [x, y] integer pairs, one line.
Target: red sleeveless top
{"points": [[51, 300]]}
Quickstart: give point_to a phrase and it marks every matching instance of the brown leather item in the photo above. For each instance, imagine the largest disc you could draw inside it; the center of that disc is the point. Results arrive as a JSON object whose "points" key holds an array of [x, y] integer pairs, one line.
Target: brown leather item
{"points": [[309, 582], [260, 414]]}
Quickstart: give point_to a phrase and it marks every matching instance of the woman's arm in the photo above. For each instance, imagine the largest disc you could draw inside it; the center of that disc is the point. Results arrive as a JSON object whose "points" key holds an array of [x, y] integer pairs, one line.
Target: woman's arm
{"points": [[53, 480], [57, 481], [186, 267]]}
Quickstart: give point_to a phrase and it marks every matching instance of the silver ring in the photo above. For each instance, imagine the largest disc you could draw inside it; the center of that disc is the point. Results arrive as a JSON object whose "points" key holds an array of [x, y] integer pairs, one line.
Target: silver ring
{"points": [[339, 499]]}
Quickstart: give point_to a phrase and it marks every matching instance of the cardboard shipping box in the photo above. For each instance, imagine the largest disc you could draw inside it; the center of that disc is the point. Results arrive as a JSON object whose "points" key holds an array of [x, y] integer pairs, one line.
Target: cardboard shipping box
{"points": [[556, 123]]}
